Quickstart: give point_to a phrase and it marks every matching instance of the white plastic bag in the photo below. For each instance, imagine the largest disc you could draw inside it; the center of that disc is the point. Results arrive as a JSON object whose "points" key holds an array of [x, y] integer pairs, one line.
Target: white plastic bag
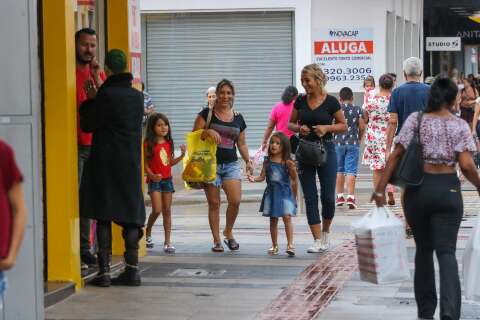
{"points": [[471, 265], [258, 158], [381, 247]]}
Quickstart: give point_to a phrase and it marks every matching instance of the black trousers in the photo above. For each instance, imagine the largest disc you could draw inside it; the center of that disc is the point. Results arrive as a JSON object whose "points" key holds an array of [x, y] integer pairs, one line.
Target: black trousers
{"points": [[434, 211], [83, 154], [131, 235]]}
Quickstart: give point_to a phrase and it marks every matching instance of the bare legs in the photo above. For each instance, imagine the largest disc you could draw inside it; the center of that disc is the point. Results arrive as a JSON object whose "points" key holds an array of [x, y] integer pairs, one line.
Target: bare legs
{"points": [[233, 191], [161, 204], [287, 220]]}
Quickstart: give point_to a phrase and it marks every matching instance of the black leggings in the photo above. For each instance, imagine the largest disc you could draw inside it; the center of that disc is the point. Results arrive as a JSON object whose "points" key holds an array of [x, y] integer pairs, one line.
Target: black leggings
{"points": [[434, 211]]}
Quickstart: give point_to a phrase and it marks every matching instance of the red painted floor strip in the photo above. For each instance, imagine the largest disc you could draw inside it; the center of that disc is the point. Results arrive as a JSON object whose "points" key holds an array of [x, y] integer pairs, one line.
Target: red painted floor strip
{"points": [[315, 287]]}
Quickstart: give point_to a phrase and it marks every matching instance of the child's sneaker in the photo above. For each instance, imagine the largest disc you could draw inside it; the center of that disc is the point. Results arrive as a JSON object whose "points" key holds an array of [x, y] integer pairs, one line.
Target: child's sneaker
{"points": [[273, 250], [168, 248], [340, 200], [351, 202], [149, 242]]}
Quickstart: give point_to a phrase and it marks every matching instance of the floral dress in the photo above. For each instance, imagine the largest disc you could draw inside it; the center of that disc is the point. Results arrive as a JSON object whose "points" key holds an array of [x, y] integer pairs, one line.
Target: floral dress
{"points": [[376, 135]]}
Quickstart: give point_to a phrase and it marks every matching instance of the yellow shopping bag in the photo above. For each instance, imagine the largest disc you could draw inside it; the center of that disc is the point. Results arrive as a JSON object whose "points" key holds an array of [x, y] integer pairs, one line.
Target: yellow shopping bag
{"points": [[200, 162]]}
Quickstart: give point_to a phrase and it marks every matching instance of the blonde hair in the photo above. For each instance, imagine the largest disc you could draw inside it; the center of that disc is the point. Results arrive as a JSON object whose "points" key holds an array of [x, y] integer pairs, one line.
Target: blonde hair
{"points": [[317, 73]]}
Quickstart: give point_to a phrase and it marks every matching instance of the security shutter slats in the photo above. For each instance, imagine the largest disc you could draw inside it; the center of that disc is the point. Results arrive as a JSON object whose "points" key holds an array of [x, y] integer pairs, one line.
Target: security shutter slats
{"points": [[188, 52]]}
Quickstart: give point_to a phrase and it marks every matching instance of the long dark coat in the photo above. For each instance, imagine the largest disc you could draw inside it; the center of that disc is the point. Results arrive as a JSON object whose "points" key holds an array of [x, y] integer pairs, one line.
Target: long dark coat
{"points": [[111, 187]]}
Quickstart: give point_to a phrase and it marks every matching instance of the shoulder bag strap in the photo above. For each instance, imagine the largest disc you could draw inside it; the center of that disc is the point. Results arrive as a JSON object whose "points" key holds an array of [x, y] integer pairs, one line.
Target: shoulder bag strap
{"points": [[419, 123], [209, 118]]}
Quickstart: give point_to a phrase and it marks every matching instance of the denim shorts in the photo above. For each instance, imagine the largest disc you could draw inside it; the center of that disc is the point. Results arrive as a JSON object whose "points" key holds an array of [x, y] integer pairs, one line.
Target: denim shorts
{"points": [[161, 186], [347, 159], [3, 287], [227, 171]]}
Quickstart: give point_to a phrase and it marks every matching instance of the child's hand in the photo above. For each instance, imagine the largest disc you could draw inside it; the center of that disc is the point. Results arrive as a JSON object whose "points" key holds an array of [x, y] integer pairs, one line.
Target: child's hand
{"points": [[183, 149], [251, 178], [155, 177]]}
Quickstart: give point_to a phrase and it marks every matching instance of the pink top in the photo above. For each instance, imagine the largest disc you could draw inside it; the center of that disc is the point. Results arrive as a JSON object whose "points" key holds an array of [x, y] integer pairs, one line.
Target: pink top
{"points": [[281, 116], [442, 138]]}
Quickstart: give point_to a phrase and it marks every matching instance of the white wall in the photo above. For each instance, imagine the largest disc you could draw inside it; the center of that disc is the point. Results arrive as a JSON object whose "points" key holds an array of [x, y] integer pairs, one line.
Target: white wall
{"points": [[358, 14], [311, 15], [301, 9]]}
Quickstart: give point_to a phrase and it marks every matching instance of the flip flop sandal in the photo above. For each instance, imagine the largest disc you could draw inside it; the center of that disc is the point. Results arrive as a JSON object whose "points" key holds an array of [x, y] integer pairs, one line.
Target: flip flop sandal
{"points": [[290, 251], [217, 247], [231, 244]]}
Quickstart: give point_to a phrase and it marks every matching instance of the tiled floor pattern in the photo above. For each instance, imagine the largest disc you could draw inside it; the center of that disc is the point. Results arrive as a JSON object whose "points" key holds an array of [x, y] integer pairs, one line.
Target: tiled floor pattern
{"points": [[315, 287]]}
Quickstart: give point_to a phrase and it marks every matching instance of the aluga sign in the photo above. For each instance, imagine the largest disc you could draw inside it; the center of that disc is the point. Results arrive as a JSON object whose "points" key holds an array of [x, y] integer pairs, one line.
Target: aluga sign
{"points": [[345, 55], [343, 47]]}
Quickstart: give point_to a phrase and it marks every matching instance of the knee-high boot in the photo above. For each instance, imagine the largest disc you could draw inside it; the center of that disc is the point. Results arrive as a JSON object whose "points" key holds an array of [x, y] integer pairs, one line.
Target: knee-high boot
{"points": [[104, 243], [131, 275]]}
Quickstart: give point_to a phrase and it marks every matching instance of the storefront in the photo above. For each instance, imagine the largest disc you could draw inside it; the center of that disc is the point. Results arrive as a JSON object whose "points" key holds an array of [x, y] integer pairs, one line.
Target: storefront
{"points": [[452, 21], [263, 45], [38, 118]]}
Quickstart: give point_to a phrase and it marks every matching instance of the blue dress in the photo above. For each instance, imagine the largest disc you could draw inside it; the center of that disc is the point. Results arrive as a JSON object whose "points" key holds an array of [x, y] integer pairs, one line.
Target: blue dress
{"points": [[278, 199]]}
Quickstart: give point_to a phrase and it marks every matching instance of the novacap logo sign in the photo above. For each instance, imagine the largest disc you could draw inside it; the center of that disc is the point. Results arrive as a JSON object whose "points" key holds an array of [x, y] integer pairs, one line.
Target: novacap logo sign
{"points": [[344, 33]]}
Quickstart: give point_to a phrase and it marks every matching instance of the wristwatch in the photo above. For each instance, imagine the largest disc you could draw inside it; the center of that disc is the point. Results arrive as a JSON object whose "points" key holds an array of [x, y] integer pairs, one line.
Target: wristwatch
{"points": [[379, 194]]}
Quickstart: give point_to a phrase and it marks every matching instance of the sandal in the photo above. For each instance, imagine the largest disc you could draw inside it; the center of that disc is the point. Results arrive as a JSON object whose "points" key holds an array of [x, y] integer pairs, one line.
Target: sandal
{"points": [[290, 251], [231, 244], [273, 250], [217, 247]]}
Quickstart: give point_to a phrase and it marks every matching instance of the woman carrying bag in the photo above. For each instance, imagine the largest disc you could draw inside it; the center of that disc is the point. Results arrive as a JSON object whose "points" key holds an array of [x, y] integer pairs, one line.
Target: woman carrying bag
{"points": [[313, 115], [227, 129], [434, 207]]}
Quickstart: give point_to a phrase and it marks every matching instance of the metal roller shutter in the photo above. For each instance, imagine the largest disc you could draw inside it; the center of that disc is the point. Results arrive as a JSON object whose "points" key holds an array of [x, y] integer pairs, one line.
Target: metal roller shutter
{"points": [[188, 52]]}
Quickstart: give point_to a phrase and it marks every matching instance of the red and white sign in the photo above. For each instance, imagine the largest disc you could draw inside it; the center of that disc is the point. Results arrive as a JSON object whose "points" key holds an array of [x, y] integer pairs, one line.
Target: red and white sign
{"points": [[345, 55], [135, 44], [343, 47]]}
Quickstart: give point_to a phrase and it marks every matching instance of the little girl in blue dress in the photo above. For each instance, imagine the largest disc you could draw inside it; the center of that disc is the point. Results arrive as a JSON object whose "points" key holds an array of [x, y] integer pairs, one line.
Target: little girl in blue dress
{"points": [[279, 198]]}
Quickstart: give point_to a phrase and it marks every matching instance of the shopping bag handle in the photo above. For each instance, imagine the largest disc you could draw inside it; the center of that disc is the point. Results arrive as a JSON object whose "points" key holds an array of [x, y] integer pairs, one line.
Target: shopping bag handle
{"points": [[380, 210]]}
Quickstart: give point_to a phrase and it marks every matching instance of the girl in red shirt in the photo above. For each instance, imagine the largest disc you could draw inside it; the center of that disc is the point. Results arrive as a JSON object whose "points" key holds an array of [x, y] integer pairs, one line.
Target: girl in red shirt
{"points": [[159, 159]]}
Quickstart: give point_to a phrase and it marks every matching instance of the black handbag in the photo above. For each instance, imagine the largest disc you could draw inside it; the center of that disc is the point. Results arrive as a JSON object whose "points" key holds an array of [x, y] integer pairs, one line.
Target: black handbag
{"points": [[409, 170], [312, 153]]}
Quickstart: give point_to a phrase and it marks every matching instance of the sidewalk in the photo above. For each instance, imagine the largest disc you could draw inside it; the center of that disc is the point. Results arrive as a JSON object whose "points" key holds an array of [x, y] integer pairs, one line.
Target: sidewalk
{"points": [[198, 284]]}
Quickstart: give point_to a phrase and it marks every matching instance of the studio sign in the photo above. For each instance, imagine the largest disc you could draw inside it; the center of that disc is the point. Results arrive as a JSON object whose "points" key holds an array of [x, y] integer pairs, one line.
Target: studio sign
{"points": [[443, 44]]}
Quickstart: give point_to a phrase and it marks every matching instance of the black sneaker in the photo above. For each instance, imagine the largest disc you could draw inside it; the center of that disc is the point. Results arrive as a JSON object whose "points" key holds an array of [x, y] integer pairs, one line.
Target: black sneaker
{"points": [[88, 259]]}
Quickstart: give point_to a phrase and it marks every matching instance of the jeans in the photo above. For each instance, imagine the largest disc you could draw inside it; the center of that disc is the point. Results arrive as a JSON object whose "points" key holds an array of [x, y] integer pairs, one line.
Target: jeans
{"points": [[161, 186], [347, 159], [83, 154], [434, 210], [327, 176], [227, 171]]}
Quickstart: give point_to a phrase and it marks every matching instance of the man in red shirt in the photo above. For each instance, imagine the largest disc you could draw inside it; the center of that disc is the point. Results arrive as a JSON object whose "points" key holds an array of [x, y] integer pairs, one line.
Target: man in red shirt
{"points": [[88, 74], [13, 212]]}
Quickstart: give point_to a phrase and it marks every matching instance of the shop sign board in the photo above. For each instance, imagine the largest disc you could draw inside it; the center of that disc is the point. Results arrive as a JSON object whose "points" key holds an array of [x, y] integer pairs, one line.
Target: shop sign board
{"points": [[443, 44], [346, 55], [135, 45]]}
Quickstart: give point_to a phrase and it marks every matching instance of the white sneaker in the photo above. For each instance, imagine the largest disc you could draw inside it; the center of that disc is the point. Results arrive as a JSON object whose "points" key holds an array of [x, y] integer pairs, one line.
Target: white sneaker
{"points": [[325, 241], [316, 247]]}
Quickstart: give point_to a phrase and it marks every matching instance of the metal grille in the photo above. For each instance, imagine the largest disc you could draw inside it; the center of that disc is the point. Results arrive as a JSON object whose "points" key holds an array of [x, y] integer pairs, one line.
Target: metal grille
{"points": [[188, 52]]}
